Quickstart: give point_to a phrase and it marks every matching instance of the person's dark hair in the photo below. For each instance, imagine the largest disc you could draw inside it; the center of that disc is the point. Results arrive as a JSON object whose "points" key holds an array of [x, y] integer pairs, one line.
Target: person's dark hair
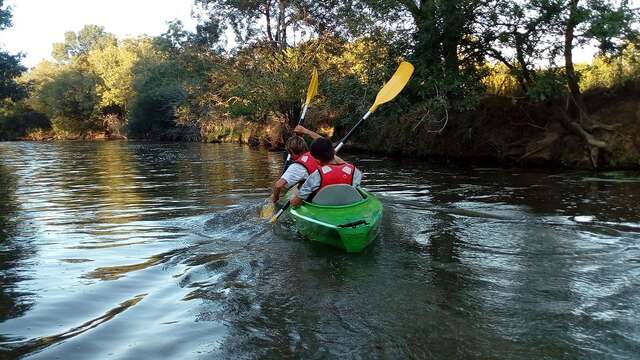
{"points": [[322, 149], [296, 145]]}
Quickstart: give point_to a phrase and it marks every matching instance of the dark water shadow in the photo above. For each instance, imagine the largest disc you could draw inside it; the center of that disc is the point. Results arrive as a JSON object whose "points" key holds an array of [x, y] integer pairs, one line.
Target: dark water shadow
{"points": [[15, 251]]}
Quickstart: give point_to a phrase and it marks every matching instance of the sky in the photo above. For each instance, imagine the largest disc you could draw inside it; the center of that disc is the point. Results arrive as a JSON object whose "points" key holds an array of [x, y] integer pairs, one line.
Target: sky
{"points": [[37, 24]]}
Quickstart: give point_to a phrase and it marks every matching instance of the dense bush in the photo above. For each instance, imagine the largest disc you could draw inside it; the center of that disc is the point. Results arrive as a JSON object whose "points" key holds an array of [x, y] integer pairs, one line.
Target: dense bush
{"points": [[17, 120], [69, 100], [158, 93]]}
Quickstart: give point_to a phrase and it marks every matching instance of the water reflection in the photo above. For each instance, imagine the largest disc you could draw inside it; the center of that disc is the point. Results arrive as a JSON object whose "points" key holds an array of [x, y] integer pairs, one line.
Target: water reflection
{"points": [[15, 251], [25, 347]]}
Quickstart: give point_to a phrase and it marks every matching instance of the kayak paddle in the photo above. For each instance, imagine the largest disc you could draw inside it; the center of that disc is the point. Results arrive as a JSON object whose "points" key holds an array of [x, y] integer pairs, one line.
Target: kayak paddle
{"points": [[311, 92], [267, 209], [388, 92]]}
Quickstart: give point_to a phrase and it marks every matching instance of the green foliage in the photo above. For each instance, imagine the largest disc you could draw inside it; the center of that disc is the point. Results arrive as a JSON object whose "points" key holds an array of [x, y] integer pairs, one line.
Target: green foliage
{"points": [[17, 119], [263, 81], [67, 95], [612, 71], [159, 92], [281, 18], [114, 64], [174, 86], [78, 44], [548, 85], [500, 80], [354, 73], [260, 81], [610, 24], [5, 16], [10, 67], [184, 80]]}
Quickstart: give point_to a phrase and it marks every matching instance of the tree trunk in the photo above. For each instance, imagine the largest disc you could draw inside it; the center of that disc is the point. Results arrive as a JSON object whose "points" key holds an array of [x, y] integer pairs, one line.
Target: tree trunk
{"points": [[452, 14], [267, 13], [577, 108], [282, 21], [427, 36], [526, 76], [577, 118]]}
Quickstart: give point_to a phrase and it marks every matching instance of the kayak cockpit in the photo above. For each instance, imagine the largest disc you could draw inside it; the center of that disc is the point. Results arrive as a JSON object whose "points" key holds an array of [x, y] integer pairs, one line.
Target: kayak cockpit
{"points": [[337, 195]]}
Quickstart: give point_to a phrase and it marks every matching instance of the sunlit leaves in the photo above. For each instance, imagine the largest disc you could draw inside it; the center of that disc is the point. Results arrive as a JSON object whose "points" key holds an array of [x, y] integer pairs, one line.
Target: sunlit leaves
{"points": [[78, 44], [67, 95]]}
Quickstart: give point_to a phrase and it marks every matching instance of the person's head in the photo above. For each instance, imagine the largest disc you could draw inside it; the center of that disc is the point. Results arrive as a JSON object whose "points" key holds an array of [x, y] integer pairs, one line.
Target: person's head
{"points": [[322, 150], [296, 146]]}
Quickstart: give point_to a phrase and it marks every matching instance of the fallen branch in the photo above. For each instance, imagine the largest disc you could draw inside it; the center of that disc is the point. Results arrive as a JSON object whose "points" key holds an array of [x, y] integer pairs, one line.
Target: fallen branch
{"points": [[547, 141], [530, 124], [590, 139]]}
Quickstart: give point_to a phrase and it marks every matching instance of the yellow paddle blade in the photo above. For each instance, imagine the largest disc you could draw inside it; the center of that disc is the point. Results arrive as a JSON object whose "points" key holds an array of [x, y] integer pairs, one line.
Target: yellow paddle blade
{"points": [[313, 86], [267, 210], [393, 87]]}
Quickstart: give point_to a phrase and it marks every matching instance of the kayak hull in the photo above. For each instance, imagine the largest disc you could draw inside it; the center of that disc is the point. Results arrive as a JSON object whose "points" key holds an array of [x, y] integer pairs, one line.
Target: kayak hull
{"points": [[349, 227]]}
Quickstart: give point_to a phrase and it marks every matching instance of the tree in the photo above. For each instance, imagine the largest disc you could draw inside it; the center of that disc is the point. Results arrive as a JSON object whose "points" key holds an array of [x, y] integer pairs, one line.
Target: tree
{"points": [[609, 25], [5, 16], [515, 33], [114, 65], [79, 44], [158, 92], [445, 48], [67, 95], [442, 42], [274, 21], [10, 67]]}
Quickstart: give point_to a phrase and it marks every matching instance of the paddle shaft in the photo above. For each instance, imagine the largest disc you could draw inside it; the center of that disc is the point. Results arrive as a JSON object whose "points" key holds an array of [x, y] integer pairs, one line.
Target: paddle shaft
{"points": [[346, 137], [300, 122], [282, 209]]}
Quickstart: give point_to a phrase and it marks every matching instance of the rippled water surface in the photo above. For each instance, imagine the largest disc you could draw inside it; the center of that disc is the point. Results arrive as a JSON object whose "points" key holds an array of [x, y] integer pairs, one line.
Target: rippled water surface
{"points": [[140, 250]]}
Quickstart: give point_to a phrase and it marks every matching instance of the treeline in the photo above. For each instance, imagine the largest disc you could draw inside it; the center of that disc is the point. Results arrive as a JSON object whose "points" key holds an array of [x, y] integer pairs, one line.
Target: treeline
{"points": [[190, 86]]}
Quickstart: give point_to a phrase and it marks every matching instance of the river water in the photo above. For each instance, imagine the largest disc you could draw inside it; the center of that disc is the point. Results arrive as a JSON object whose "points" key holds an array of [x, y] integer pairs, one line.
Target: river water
{"points": [[142, 250]]}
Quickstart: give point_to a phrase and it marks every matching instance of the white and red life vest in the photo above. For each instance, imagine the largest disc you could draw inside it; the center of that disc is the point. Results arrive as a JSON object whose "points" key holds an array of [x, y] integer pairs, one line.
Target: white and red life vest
{"points": [[308, 161], [332, 174]]}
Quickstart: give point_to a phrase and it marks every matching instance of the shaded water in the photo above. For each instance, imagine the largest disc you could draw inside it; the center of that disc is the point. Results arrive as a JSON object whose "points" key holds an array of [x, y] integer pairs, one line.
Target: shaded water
{"points": [[127, 250]]}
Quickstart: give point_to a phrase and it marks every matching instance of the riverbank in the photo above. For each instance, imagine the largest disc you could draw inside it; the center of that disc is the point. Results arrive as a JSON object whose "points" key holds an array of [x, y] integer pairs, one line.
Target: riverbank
{"points": [[511, 132], [502, 131]]}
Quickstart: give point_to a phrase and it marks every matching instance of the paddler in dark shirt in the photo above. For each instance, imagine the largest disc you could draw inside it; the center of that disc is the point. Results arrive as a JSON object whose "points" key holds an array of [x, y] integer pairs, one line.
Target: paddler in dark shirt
{"points": [[332, 170]]}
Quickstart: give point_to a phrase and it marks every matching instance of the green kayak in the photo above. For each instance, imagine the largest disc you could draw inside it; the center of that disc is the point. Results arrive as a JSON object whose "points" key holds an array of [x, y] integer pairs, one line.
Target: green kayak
{"points": [[350, 227]]}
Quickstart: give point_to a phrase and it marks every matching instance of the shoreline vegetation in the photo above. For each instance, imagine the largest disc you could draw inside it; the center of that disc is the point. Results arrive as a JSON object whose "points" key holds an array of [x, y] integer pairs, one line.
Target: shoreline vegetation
{"points": [[495, 81]]}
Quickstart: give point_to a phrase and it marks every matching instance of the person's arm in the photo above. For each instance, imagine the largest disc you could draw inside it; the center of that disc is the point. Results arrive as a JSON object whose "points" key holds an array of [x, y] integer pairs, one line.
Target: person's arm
{"points": [[301, 130], [294, 174], [357, 177], [277, 189], [312, 184]]}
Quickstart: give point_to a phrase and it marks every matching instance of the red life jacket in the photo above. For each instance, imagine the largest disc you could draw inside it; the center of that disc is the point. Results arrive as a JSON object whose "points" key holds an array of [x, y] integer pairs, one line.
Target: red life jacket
{"points": [[332, 174], [308, 161]]}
